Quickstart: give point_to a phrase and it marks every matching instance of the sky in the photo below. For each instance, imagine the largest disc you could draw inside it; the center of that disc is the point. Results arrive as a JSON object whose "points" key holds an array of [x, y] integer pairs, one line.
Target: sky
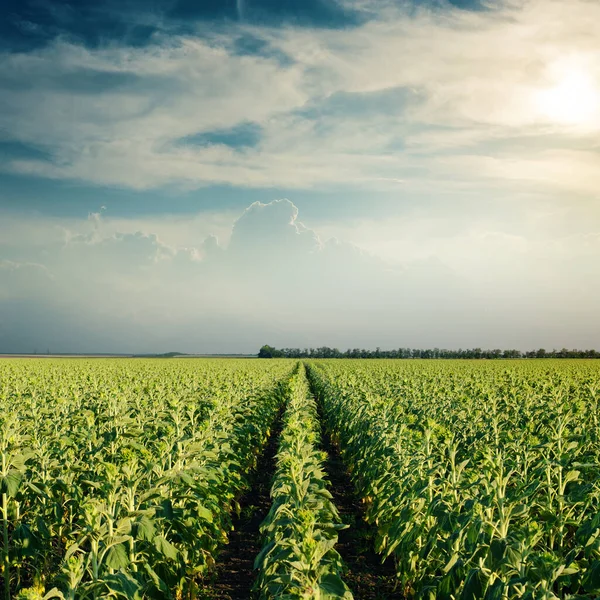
{"points": [[211, 176]]}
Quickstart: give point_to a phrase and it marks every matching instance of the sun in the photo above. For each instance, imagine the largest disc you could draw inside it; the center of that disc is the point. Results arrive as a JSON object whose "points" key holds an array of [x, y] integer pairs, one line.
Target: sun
{"points": [[573, 100]]}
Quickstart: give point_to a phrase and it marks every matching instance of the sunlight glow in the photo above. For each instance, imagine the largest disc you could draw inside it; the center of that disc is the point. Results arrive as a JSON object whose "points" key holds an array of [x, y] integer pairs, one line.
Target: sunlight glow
{"points": [[575, 99]]}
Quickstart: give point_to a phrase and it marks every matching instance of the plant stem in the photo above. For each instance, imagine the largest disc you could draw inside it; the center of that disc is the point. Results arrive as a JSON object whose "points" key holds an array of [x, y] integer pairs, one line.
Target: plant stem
{"points": [[5, 555]]}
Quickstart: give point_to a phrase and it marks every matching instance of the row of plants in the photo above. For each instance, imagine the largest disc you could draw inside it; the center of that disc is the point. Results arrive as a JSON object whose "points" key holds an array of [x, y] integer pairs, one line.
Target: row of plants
{"points": [[118, 477], [298, 559], [482, 481]]}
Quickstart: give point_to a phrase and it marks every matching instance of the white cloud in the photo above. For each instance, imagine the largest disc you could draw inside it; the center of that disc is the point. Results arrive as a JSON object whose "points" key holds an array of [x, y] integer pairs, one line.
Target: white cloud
{"points": [[115, 115], [280, 281], [263, 230], [19, 280]]}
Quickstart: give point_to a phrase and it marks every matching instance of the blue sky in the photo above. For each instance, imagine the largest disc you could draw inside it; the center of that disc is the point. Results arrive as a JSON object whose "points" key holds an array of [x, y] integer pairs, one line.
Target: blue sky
{"points": [[400, 173]]}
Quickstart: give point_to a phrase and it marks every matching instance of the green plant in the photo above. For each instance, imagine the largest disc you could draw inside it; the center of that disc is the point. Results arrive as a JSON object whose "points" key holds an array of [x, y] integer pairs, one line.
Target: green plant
{"points": [[298, 559], [482, 480]]}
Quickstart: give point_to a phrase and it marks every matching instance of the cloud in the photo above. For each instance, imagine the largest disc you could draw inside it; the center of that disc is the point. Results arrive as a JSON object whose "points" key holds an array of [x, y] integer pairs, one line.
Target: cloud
{"points": [[422, 95], [278, 280], [430, 106], [151, 98], [20, 280], [265, 230], [273, 269]]}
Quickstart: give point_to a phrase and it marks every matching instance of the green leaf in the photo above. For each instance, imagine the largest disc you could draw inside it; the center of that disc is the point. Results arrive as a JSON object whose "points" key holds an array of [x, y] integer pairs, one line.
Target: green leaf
{"points": [[165, 547], [204, 513], [145, 529], [9, 484], [186, 478], [495, 591], [262, 554], [53, 593], [159, 584], [332, 586], [474, 585], [124, 585], [116, 557], [498, 548], [591, 582], [571, 476]]}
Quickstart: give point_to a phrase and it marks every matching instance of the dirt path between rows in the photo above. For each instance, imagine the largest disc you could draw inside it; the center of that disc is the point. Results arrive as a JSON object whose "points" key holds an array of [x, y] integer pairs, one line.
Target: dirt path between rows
{"points": [[234, 574], [366, 577]]}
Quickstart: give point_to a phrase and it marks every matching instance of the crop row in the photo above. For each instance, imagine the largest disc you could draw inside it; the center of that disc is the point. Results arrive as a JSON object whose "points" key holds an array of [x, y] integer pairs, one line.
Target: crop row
{"points": [[298, 559], [118, 478], [119, 482], [482, 482]]}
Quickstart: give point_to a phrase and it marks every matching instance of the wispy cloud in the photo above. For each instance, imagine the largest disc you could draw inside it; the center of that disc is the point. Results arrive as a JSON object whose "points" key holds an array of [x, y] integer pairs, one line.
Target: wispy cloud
{"points": [[239, 5], [422, 95]]}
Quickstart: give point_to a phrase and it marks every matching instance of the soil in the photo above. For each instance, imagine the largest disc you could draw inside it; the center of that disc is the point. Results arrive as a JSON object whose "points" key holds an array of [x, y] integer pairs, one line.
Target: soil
{"points": [[234, 574], [366, 576]]}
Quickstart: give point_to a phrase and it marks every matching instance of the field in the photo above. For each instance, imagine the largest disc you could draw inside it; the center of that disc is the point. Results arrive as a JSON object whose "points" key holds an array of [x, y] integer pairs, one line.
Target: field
{"points": [[233, 478]]}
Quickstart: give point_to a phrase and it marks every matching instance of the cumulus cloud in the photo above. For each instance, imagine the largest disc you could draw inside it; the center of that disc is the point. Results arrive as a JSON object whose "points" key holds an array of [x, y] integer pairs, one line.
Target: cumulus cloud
{"points": [[279, 280], [267, 229], [272, 274], [432, 108], [22, 279]]}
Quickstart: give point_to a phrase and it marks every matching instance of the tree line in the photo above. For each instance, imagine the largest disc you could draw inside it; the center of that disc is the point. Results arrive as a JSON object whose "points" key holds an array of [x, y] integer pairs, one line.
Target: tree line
{"points": [[474, 353]]}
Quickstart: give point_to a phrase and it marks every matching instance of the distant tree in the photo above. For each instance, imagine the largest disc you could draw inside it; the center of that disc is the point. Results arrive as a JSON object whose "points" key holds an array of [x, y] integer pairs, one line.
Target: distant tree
{"points": [[407, 353], [268, 352]]}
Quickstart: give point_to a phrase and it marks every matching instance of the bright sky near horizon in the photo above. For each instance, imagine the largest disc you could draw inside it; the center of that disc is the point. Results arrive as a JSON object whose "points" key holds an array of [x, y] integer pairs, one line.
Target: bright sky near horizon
{"points": [[214, 175]]}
